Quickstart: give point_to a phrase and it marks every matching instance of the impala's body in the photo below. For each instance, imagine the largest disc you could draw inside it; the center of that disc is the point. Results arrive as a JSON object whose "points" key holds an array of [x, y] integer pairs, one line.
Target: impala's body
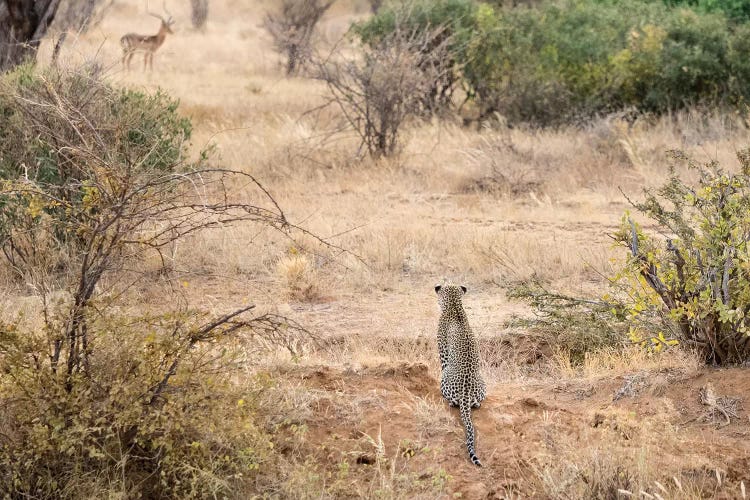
{"points": [[148, 44]]}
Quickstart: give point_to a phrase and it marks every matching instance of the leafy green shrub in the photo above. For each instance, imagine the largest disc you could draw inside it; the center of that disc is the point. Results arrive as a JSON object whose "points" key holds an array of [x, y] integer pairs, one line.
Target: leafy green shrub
{"points": [[565, 61], [689, 285], [697, 275], [94, 180], [737, 10]]}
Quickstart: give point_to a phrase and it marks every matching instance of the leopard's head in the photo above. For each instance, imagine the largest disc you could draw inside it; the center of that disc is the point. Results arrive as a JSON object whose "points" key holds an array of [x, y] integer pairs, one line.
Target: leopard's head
{"points": [[449, 296]]}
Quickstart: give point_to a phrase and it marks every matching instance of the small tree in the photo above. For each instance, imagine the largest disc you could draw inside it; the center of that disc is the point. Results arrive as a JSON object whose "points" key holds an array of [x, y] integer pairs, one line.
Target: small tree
{"points": [[380, 91], [689, 285], [442, 27], [24, 24], [199, 13], [292, 29]]}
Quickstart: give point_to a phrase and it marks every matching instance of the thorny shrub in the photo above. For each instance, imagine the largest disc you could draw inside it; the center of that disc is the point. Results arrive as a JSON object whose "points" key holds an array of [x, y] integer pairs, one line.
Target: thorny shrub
{"points": [[292, 28], [687, 285], [443, 26], [378, 92], [93, 180], [574, 326], [696, 274]]}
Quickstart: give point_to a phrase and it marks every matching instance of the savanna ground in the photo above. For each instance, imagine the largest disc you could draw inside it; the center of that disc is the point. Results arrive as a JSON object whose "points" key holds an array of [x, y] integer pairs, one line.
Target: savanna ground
{"points": [[359, 413]]}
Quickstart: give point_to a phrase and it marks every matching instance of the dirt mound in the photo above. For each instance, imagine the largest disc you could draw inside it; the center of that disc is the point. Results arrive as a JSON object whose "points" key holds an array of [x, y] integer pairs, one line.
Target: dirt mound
{"points": [[413, 377], [394, 413]]}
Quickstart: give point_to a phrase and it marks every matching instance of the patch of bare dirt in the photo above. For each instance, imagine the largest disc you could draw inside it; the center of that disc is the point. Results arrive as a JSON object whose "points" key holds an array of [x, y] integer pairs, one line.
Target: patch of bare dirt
{"points": [[522, 427]]}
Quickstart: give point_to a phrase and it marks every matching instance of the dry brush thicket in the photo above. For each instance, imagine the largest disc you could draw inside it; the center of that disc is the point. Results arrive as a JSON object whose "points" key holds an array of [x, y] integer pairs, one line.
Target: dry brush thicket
{"points": [[95, 180], [393, 81], [292, 28]]}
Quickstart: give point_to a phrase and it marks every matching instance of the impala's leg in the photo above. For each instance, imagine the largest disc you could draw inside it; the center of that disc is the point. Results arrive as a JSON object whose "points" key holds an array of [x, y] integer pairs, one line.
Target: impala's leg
{"points": [[145, 60], [127, 58], [151, 61]]}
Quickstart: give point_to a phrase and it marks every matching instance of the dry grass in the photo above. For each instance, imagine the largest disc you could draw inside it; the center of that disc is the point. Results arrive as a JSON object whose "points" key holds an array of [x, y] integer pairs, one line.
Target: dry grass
{"points": [[479, 207], [617, 362]]}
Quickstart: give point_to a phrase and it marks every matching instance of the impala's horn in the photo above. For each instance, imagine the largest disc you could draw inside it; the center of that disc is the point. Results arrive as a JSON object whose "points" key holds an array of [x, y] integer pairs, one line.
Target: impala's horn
{"points": [[170, 20]]}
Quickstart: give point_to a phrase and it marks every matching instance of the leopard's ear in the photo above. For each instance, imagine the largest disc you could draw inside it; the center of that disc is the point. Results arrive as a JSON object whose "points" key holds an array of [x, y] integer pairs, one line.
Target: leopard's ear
{"points": [[437, 288], [463, 289]]}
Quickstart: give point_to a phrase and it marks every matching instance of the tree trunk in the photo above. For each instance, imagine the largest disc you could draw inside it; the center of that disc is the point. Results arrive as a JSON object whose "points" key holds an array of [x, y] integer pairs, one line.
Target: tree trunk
{"points": [[23, 23], [199, 13]]}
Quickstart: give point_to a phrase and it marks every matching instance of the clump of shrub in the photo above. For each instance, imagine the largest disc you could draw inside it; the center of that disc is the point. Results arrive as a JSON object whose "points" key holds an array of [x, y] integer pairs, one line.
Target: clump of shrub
{"points": [[565, 61], [397, 78], [292, 28], [298, 273], [94, 402], [686, 286], [442, 27], [696, 275]]}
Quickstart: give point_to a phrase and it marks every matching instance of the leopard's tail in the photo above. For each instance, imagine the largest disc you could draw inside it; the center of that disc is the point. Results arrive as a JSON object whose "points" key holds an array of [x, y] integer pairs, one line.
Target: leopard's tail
{"points": [[465, 407]]}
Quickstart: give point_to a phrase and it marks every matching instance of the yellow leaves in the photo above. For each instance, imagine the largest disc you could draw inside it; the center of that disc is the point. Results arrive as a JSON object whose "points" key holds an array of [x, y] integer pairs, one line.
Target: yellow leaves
{"points": [[653, 39], [634, 336], [660, 342], [652, 344], [91, 197], [36, 206]]}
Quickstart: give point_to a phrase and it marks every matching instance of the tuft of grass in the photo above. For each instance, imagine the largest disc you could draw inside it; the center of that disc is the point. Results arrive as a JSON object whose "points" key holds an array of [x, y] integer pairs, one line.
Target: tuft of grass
{"points": [[299, 276]]}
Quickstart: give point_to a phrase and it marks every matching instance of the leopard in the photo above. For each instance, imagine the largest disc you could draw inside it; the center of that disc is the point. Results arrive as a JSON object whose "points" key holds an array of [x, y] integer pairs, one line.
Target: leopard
{"points": [[461, 382]]}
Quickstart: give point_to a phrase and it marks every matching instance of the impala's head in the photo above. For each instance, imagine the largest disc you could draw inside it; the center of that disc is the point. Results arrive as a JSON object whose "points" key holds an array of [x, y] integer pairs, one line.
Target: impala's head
{"points": [[449, 295], [166, 24]]}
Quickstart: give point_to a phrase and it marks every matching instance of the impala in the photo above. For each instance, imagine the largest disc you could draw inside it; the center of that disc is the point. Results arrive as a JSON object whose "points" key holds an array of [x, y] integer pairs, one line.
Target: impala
{"points": [[133, 42]]}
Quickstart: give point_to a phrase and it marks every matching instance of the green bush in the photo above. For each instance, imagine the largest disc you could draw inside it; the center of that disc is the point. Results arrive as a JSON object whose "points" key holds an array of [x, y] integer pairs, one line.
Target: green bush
{"points": [[697, 275], [127, 121], [565, 61], [103, 436], [737, 10], [686, 284]]}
